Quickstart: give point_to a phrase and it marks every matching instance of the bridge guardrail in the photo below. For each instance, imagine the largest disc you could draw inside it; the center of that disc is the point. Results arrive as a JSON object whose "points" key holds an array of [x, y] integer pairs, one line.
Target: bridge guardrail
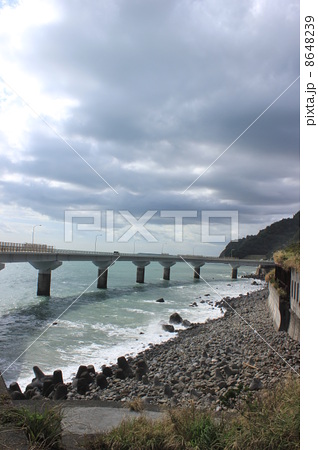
{"points": [[86, 252], [9, 247]]}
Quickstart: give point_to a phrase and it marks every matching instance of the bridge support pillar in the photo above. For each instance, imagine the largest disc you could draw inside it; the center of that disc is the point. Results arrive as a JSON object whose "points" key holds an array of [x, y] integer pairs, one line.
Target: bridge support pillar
{"points": [[166, 269], [44, 284], [102, 273], [196, 269], [234, 266], [44, 277], [102, 278], [166, 273], [140, 275]]}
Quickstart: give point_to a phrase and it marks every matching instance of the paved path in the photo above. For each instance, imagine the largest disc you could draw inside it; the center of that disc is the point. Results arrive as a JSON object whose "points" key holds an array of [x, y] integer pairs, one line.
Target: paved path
{"points": [[90, 420], [81, 421]]}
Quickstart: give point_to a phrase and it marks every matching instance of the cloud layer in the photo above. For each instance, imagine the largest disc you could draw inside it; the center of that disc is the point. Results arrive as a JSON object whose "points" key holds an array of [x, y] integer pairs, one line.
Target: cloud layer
{"points": [[149, 93]]}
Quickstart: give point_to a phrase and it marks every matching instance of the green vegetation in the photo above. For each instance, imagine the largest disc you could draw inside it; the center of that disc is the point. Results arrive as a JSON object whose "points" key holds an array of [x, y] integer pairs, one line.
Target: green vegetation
{"points": [[182, 429], [269, 422], [43, 430], [270, 278], [272, 421], [277, 236], [136, 404], [289, 258]]}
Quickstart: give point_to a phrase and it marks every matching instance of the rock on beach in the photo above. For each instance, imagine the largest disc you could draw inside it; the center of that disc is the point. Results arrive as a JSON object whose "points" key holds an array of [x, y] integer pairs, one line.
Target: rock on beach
{"points": [[212, 364]]}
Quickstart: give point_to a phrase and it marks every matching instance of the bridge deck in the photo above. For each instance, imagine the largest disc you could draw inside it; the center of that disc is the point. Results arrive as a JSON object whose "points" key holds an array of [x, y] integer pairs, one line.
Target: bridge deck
{"points": [[71, 255], [45, 259]]}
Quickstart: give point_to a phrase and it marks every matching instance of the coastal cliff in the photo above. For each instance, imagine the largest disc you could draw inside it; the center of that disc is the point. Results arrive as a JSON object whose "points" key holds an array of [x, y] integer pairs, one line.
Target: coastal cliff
{"points": [[272, 238]]}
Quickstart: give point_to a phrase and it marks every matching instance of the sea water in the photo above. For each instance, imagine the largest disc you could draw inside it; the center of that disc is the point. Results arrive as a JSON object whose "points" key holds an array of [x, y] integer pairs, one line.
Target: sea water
{"points": [[80, 324]]}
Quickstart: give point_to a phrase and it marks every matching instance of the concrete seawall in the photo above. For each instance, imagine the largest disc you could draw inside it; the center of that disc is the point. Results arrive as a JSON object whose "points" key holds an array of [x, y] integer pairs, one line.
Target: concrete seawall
{"points": [[294, 326], [273, 304], [284, 318]]}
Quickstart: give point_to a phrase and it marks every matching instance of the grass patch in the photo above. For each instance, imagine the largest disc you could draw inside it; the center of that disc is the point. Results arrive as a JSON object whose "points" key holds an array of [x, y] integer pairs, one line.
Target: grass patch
{"points": [[43, 429], [270, 278], [289, 258], [140, 433], [269, 422], [136, 404], [195, 429]]}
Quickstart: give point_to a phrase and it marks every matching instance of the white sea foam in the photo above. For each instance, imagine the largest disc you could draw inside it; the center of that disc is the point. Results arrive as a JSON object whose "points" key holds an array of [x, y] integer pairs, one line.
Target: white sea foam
{"points": [[101, 326]]}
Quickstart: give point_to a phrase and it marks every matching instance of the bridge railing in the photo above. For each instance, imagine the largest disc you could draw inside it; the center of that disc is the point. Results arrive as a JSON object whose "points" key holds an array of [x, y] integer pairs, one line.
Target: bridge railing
{"points": [[9, 247], [82, 252]]}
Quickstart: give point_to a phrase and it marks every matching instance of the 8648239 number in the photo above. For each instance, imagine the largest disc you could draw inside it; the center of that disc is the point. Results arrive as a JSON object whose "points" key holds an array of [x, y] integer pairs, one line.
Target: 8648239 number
{"points": [[309, 41]]}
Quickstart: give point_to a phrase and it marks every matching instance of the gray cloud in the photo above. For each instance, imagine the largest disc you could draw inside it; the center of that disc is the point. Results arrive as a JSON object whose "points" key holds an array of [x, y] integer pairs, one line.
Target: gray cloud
{"points": [[161, 89]]}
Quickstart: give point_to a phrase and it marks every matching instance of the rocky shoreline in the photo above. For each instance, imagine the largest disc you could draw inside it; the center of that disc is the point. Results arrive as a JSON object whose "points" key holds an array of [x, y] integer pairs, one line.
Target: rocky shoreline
{"points": [[211, 365]]}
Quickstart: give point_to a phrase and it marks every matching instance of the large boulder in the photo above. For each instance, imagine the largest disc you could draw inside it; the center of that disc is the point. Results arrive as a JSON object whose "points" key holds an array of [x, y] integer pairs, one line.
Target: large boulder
{"points": [[44, 384], [120, 374], [175, 318], [48, 387], [169, 328], [107, 371], [35, 384], [168, 391], [124, 366], [80, 370], [38, 373], [85, 374], [256, 384], [57, 377], [60, 392], [91, 369], [82, 386], [101, 381], [141, 370], [141, 364], [30, 393], [14, 387], [16, 395]]}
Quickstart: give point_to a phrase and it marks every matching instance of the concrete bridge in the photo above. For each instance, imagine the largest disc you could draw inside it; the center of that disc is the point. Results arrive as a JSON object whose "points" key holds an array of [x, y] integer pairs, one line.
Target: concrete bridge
{"points": [[45, 259]]}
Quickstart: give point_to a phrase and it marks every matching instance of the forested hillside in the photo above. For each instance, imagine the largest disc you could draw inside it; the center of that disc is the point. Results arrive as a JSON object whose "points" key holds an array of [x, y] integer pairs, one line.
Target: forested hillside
{"points": [[274, 237]]}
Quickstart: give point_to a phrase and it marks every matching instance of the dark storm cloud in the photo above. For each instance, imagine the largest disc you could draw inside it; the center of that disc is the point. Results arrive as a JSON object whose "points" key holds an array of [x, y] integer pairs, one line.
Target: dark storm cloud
{"points": [[162, 88]]}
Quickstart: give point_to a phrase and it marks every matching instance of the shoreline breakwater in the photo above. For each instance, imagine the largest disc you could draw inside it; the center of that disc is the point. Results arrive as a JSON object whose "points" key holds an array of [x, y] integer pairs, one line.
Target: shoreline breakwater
{"points": [[211, 364]]}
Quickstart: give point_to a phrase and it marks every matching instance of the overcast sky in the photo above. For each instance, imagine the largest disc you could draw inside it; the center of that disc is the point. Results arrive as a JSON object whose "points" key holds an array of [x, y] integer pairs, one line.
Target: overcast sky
{"points": [[140, 97]]}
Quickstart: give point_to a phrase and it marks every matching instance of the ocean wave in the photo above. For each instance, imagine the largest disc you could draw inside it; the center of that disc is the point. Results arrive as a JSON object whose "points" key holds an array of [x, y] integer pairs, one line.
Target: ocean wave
{"points": [[103, 325]]}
